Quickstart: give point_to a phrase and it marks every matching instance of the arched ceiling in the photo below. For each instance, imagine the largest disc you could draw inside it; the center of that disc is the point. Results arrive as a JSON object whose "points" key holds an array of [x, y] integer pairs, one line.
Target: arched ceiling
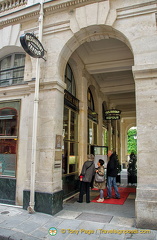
{"points": [[110, 63]]}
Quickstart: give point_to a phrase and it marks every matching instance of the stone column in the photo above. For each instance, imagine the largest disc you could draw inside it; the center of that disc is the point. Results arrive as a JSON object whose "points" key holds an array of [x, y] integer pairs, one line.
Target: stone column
{"points": [[122, 141], [109, 135], [146, 107], [100, 122], [83, 128], [48, 180]]}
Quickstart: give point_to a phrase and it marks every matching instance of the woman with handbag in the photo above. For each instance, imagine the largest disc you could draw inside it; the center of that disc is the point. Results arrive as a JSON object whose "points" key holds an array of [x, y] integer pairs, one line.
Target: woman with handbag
{"points": [[88, 171], [99, 181]]}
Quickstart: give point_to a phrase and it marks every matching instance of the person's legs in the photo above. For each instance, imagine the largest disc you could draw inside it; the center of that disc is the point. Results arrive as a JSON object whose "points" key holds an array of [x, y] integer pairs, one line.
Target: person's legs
{"points": [[81, 191], [101, 199], [109, 187], [101, 193], [116, 188], [87, 184]]}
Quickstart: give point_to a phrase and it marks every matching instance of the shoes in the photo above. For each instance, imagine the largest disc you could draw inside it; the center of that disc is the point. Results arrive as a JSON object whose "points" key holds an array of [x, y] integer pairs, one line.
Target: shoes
{"points": [[108, 197], [100, 200], [117, 197], [82, 202]]}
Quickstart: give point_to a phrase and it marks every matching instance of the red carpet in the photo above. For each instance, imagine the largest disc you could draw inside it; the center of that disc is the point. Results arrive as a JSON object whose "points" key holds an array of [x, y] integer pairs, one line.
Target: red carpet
{"points": [[124, 193]]}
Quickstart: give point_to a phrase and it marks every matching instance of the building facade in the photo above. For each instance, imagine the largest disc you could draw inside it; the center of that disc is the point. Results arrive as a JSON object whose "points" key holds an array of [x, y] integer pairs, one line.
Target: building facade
{"points": [[100, 55]]}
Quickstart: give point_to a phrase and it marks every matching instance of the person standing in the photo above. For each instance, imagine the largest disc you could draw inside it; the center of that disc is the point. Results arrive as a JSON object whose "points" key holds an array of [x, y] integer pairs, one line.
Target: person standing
{"points": [[88, 171], [100, 185], [111, 175]]}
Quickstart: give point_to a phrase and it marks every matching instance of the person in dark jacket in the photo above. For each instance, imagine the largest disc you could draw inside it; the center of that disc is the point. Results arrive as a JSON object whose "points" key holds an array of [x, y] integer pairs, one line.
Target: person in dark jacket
{"points": [[111, 175], [87, 173]]}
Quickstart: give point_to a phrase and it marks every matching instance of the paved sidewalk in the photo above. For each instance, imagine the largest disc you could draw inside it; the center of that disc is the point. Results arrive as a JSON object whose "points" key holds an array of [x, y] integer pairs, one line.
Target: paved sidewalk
{"points": [[75, 222]]}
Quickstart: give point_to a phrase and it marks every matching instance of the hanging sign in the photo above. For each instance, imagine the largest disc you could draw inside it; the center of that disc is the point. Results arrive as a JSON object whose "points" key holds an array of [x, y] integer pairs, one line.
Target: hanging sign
{"points": [[112, 117], [32, 45], [112, 114], [112, 111]]}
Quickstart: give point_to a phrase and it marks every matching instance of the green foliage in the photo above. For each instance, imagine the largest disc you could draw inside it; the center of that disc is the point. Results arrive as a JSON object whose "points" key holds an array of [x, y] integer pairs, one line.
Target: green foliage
{"points": [[132, 141]]}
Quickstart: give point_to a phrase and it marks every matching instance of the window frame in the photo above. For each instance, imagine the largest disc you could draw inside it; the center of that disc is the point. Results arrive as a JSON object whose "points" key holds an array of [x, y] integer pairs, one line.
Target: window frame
{"points": [[70, 79], [68, 142], [11, 70]]}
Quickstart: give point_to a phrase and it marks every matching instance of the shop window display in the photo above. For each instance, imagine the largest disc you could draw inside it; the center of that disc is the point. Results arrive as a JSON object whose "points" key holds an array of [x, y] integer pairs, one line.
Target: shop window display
{"points": [[9, 112]]}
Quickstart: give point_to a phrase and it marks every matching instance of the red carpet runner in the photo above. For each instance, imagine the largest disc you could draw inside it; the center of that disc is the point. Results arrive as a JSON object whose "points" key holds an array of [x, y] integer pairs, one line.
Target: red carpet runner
{"points": [[124, 193]]}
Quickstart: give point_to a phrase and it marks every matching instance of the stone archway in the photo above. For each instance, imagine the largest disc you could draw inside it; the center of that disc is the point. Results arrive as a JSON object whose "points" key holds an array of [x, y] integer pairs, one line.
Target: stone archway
{"points": [[118, 68], [90, 34], [90, 29], [100, 72]]}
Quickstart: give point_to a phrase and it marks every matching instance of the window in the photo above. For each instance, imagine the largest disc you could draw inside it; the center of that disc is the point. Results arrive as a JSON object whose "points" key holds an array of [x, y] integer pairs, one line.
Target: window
{"points": [[70, 125], [8, 157], [8, 122], [104, 136], [9, 112], [70, 156], [92, 134], [92, 122], [90, 100], [69, 80], [104, 128], [12, 69]]}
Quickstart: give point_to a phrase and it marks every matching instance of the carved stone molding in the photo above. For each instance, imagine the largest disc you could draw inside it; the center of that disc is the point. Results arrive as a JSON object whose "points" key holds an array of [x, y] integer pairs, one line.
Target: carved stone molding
{"points": [[20, 13], [69, 4], [148, 71], [137, 9]]}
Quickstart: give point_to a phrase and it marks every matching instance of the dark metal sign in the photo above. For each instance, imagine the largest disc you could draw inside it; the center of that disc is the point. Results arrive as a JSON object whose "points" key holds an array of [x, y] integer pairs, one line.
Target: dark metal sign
{"points": [[32, 45], [112, 117], [112, 111], [112, 114]]}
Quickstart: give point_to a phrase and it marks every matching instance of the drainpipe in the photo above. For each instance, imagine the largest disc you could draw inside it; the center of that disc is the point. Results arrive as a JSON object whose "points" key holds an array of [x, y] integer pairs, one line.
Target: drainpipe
{"points": [[35, 119]]}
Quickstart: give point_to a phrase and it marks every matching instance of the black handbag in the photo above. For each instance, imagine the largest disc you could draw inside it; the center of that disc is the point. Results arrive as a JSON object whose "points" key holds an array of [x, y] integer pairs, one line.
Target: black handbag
{"points": [[99, 178]]}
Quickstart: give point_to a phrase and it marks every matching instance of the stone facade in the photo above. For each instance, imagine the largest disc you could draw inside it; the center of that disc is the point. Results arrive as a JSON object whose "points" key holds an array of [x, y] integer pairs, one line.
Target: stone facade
{"points": [[111, 46]]}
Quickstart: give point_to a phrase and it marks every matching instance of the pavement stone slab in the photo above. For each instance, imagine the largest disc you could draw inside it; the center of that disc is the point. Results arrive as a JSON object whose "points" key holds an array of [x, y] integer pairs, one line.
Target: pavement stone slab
{"points": [[142, 235], [88, 225], [27, 227], [41, 218], [110, 238], [22, 236], [82, 237], [139, 238], [11, 223], [69, 224], [40, 233], [6, 232], [68, 214], [53, 223], [113, 231], [95, 217], [10, 211], [121, 221], [20, 218]]}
